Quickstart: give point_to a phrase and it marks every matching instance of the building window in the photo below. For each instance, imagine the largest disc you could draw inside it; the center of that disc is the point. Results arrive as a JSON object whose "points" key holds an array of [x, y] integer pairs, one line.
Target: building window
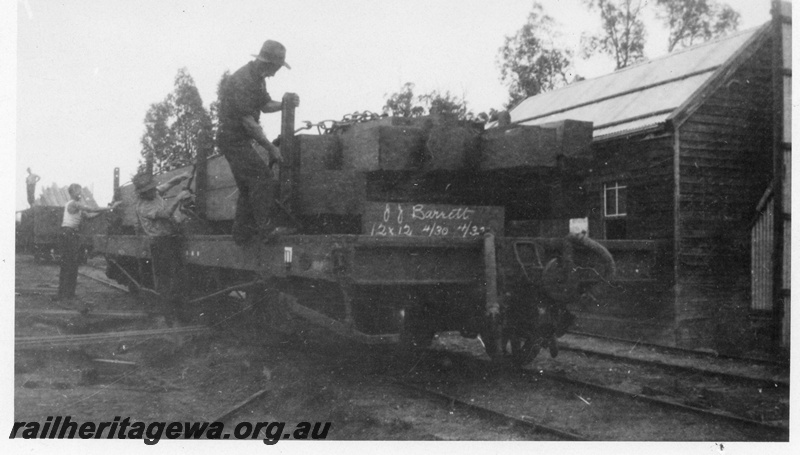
{"points": [[614, 200], [615, 206]]}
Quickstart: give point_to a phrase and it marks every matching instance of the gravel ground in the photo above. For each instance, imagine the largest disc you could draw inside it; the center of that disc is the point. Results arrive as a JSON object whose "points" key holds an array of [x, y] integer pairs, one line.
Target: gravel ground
{"points": [[309, 374], [199, 378]]}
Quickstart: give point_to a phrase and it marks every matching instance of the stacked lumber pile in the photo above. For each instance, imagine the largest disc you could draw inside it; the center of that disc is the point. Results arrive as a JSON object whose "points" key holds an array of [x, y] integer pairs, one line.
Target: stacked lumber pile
{"points": [[430, 160], [423, 160], [58, 196]]}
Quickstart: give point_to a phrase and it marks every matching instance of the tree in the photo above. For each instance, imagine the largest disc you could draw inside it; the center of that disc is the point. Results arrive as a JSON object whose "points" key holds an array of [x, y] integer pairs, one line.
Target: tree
{"points": [[157, 138], [691, 21], [530, 63], [214, 106], [177, 128], [446, 105], [622, 36], [405, 104]]}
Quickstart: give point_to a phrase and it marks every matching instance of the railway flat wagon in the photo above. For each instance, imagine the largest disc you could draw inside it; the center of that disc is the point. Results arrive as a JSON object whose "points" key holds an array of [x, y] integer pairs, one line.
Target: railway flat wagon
{"points": [[39, 229], [403, 231]]}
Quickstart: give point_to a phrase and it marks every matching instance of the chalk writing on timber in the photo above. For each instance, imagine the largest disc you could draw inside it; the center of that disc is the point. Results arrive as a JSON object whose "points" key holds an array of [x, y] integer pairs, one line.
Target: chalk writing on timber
{"points": [[429, 220]]}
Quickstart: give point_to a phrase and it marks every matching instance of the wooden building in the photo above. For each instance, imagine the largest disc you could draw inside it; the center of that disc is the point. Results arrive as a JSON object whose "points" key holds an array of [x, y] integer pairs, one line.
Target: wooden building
{"points": [[771, 228], [682, 157]]}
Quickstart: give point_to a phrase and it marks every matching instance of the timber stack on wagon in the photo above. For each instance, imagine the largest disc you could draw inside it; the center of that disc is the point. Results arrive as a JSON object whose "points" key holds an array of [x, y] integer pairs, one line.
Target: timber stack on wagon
{"points": [[58, 196], [422, 160]]}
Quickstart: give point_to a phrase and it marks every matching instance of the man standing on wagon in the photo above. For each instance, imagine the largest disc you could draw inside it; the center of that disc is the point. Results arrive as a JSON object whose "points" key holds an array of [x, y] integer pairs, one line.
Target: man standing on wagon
{"points": [[30, 184], [242, 98]]}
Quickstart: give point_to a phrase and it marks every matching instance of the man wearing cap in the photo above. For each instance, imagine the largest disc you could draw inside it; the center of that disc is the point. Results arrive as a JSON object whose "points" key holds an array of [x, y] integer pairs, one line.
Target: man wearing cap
{"points": [[166, 241], [242, 98]]}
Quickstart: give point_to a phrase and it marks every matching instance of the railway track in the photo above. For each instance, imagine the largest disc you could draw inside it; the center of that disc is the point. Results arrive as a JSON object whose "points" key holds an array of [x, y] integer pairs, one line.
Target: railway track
{"points": [[616, 403], [521, 428], [708, 413], [608, 404], [491, 414], [683, 351], [757, 393], [545, 406], [530, 382], [393, 392], [38, 342], [756, 380], [41, 342]]}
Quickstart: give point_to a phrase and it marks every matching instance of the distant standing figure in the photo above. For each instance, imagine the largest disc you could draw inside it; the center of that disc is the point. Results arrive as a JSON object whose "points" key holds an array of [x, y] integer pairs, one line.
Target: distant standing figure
{"points": [[242, 98], [166, 241], [74, 212], [30, 182]]}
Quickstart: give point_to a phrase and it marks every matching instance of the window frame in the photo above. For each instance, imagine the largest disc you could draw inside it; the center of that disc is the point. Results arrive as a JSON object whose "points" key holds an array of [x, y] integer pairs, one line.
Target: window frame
{"points": [[616, 187]]}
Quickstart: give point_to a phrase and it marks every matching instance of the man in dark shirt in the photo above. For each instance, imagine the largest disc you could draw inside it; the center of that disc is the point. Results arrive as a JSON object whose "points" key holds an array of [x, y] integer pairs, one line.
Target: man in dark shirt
{"points": [[167, 247], [242, 98]]}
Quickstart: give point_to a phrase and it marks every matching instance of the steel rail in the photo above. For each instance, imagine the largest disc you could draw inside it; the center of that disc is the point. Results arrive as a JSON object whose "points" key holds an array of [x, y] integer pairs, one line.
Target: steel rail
{"points": [[97, 338], [658, 401], [677, 350], [719, 415], [99, 313], [763, 381], [487, 413], [227, 415]]}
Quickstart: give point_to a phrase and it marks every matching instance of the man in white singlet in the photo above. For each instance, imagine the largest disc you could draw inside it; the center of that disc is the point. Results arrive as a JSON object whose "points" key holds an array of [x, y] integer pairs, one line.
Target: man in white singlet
{"points": [[70, 247]]}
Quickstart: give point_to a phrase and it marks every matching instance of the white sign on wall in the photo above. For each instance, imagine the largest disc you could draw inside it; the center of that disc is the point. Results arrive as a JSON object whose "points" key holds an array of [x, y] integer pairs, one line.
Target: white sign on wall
{"points": [[579, 226]]}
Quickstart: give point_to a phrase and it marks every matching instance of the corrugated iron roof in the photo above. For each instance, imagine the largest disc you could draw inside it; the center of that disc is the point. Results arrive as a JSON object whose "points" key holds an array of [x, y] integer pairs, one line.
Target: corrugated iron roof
{"points": [[632, 126], [637, 97]]}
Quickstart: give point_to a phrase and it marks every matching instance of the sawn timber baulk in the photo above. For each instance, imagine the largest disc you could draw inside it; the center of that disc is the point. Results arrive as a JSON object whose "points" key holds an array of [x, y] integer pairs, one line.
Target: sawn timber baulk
{"points": [[406, 227]]}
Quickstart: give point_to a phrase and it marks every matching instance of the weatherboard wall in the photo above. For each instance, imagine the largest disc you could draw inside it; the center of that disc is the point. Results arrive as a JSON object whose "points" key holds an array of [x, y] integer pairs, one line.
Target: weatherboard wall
{"points": [[725, 166]]}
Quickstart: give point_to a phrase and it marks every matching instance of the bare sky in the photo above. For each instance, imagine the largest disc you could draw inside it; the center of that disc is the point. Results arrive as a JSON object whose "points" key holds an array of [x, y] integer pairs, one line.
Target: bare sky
{"points": [[87, 70]]}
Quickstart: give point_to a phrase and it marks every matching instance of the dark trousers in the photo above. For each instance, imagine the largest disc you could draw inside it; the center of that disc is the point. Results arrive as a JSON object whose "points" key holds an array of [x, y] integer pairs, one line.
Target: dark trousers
{"points": [[169, 267], [70, 249], [254, 207]]}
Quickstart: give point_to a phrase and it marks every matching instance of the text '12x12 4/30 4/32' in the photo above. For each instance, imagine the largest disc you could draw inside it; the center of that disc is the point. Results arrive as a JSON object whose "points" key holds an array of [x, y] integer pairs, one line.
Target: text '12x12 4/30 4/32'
{"points": [[430, 220]]}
